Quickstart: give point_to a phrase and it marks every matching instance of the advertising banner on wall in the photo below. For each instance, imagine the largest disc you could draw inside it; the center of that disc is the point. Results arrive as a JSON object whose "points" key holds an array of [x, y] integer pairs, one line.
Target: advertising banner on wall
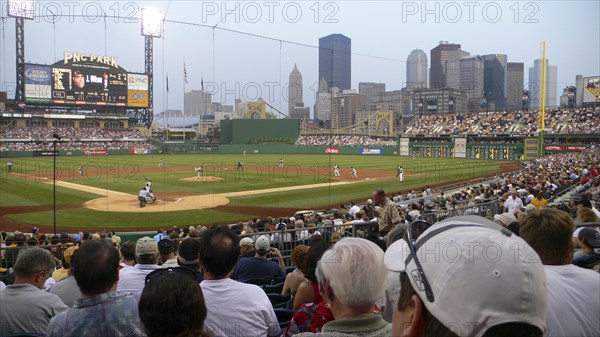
{"points": [[332, 150], [94, 152], [369, 150], [140, 151], [460, 147], [45, 153], [38, 80], [404, 146]]}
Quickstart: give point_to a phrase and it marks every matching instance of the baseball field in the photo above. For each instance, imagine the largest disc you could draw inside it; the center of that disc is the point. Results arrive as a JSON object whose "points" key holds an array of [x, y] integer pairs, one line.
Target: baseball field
{"points": [[105, 196]]}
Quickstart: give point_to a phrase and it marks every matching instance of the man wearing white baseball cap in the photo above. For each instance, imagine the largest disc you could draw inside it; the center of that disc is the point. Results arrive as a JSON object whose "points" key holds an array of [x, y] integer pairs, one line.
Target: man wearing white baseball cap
{"points": [[467, 276]]}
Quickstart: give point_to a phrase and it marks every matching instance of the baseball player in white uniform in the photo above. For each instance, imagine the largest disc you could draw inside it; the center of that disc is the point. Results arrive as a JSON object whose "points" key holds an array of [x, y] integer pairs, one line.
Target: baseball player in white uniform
{"points": [[199, 171], [336, 170], [400, 173], [148, 185], [353, 174]]}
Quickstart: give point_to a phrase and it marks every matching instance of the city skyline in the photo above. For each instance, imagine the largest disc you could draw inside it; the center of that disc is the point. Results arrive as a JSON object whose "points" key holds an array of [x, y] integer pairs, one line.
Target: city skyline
{"points": [[378, 55], [417, 69], [295, 90], [335, 61]]}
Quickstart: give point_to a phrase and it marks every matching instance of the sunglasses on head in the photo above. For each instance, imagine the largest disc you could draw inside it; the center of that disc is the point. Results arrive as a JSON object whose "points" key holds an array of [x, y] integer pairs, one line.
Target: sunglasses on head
{"points": [[418, 227], [415, 229], [165, 271]]}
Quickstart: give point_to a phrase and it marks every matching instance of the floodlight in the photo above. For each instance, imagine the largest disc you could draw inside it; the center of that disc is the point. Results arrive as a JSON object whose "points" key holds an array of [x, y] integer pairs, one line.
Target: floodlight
{"points": [[21, 9], [151, 22]]}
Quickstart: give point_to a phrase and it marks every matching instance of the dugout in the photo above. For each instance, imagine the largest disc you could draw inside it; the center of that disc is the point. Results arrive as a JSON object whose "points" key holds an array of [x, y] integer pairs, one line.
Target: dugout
{"points": [[259, 131]]}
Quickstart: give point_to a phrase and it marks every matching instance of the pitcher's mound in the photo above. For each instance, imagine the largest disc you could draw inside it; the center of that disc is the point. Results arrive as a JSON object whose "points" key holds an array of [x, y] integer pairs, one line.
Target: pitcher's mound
{"points": [[202, 179]]}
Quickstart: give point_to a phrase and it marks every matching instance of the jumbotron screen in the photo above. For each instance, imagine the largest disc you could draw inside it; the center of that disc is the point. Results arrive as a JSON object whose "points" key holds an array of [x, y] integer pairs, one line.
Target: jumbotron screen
{"points": [[591, 89], [82, 79]]}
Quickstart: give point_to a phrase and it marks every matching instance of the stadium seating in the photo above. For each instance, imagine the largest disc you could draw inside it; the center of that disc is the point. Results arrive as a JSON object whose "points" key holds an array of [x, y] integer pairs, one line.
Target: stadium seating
{"points": [[563, 121]]}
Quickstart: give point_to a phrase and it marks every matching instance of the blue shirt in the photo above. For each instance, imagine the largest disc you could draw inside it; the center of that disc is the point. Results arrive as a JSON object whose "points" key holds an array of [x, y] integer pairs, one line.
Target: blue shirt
{"points": [[249, 268], [109, 314]]}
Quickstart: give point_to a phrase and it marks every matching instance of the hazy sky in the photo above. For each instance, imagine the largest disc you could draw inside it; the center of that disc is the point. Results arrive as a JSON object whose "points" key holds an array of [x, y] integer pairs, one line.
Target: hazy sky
{"points": [[383, 33]]}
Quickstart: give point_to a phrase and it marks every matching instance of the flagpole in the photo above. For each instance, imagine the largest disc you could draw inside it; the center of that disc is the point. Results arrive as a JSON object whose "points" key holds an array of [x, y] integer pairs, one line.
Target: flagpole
{"points": [[184, 79], [167, 111]]}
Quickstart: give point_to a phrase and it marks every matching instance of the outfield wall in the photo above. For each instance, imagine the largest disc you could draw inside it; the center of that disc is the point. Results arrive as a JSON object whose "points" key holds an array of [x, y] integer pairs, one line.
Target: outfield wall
{"points": [[221, 149], [421, 149], [293, 149], [248, 131]]}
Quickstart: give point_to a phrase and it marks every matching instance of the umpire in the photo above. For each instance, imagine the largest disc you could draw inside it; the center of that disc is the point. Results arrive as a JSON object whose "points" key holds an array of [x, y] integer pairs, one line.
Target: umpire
{"points": [[142, 196]]}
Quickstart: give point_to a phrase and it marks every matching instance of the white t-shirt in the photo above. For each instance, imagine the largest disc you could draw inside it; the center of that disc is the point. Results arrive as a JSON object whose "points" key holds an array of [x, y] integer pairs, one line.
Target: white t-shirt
{"points": [[172, 263], [238, 309], [515, 205], [2, 286], [414, 214], [353, 210], [133, 279], [573, 301]]}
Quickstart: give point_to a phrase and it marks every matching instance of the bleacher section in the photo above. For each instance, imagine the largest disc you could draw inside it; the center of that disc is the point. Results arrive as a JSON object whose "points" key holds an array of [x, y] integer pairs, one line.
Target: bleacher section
{"points": [[581, 121]]}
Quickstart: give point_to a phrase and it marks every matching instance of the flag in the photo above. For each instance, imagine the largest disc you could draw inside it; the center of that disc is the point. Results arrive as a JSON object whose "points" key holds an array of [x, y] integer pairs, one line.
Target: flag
{"points": [[167, 82], [202, 82], [184, 73]]}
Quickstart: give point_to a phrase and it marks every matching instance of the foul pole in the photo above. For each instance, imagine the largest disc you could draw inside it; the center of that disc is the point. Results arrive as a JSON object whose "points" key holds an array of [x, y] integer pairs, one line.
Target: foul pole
{"points": [[544, 66]]}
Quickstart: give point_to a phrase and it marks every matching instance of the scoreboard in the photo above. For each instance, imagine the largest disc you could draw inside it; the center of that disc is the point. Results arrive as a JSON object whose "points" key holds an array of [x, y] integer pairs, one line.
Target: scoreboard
{"points": [[86, 80]]}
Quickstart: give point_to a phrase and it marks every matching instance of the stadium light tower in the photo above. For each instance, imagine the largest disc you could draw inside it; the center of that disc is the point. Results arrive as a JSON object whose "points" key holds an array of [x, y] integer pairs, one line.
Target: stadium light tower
{"points": [[20, 10], [151, 28]]}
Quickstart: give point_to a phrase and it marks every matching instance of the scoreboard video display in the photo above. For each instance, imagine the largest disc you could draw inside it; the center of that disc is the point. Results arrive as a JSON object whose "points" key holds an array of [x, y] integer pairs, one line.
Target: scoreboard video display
{"points": [[82, 79], [591, 89]]}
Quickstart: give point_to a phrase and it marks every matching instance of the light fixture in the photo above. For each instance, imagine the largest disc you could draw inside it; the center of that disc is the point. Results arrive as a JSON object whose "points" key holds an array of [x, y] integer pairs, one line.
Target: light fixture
{"points": [[151, 22], [21, 9]]}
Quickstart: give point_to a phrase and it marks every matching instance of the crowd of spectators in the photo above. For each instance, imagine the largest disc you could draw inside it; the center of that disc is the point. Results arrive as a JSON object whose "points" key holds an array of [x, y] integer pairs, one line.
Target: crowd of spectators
{"points": [[345, 280], [587, 121], [68, 133], [174, 286], [76, 145], [561, 121], [39, 138], [336, 140]]}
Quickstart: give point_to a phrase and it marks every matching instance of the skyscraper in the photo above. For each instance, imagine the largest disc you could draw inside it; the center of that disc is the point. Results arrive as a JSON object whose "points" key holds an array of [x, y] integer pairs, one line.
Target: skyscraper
{"points": [[197, 103], [295, 90], [335, 61], [471, 77], [439, 56], [495, 79], [372, 90], [416, 69], [344, 107], [515, 80], [323, 102], [453, 68], [535, 85]]}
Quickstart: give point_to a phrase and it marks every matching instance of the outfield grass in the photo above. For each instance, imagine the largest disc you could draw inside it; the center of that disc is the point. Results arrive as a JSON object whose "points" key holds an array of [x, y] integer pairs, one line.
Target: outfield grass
{"points": [[126, 174]]}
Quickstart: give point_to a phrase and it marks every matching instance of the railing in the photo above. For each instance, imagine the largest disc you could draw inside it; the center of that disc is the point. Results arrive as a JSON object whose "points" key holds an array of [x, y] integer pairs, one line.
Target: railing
{"points": [[485, 209], [287, 239], [9, 255]]}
